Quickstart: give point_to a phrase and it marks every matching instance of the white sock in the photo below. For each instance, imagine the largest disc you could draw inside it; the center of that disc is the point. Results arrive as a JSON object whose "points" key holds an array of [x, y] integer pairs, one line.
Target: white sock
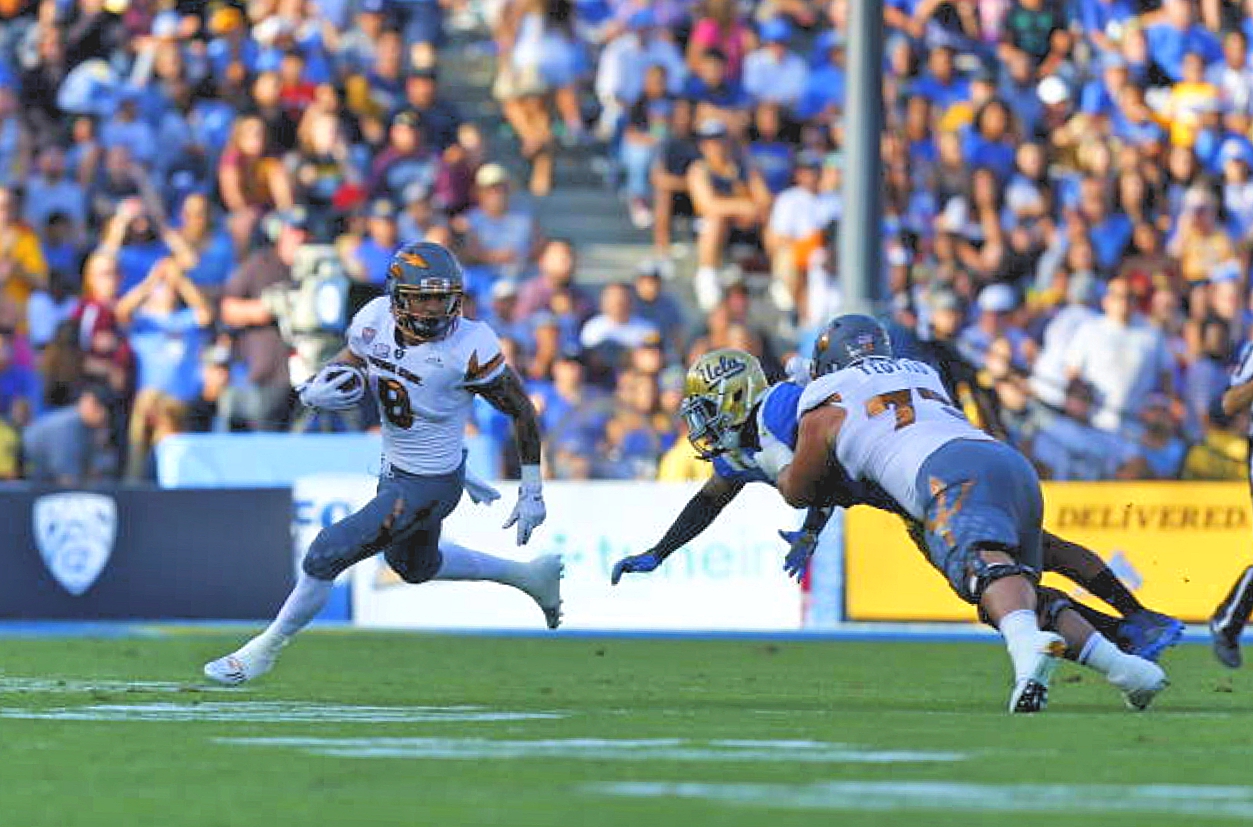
{"points": [[1100, 654], [1021, 630], [461, 563], [301, 606]]}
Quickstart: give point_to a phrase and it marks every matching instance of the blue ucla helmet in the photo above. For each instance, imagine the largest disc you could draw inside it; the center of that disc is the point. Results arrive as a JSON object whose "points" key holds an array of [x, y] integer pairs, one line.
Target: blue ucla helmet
{"points": [[847, 340], [418, 272]]}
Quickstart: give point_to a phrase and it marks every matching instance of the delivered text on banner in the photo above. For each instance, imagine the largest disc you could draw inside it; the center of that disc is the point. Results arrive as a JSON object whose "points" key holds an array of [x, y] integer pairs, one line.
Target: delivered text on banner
{"points": [[1177, 545]]}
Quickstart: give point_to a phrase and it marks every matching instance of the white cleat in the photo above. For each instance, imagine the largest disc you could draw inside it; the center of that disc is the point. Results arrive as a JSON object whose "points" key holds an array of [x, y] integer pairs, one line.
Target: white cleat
{"points": [[1140, 680], [1031, 694], [543, 584], [241, 666]]}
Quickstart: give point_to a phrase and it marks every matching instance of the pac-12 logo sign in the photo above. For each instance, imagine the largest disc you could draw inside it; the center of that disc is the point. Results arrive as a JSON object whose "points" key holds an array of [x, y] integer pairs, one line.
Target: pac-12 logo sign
{"points": [[75, 533]]}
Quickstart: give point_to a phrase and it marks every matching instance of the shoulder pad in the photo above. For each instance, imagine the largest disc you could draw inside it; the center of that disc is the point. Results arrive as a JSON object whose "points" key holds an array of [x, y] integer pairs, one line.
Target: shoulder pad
{"points": [[820, 391], [778, 412]]}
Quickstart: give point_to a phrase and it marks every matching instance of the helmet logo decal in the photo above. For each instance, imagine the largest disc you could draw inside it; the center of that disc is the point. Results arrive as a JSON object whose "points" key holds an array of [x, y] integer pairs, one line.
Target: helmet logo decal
{"points": [[865, 343], [723, 369], [413, 259]]}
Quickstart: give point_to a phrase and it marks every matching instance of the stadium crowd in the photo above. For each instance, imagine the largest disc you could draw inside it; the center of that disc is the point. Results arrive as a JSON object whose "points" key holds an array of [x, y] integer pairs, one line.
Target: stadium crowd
{"points": [[1067, 187]]}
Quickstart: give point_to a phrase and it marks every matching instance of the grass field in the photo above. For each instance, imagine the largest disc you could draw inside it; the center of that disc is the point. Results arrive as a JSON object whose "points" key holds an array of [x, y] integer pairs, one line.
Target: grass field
{"points": [[358, 728]]}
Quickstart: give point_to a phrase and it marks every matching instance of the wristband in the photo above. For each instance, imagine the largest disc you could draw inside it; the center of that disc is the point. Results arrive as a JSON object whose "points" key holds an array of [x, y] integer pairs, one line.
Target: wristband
{"points": [[531, 477]]}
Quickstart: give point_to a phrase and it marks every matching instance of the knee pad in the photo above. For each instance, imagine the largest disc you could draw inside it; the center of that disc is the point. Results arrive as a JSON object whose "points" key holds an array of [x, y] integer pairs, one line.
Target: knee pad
{"points": [[1050, 603], [979, 573]]}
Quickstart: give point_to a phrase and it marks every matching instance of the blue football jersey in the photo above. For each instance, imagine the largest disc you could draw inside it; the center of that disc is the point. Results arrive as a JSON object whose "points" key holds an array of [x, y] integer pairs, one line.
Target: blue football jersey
{"points": [[776, 414]]}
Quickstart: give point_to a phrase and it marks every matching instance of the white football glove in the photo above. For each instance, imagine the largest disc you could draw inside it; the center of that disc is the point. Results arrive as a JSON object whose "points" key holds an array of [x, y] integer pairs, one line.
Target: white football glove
{"points": [[529, 513], [481, 493], [774, 456], [797, 370], [329, 390]]}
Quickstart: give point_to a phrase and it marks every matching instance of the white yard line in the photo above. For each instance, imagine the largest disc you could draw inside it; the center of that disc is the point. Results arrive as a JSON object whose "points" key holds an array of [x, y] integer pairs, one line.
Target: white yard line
{"points": [[881, 796], [277, 712], [601, 749]]}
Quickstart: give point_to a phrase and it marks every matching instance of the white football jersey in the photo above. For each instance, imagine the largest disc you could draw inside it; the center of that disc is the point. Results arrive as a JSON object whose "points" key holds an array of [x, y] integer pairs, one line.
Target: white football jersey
{"points": [[897, 415], [423, 391]]}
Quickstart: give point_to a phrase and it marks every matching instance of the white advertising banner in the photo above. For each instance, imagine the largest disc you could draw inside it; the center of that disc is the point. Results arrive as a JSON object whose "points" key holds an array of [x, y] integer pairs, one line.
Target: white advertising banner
{"points": [[319, 500], [728, 579]]}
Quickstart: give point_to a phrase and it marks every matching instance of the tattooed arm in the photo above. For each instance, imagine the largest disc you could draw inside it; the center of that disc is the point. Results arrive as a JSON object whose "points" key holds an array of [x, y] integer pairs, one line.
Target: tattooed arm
{"points": [[506, 394]]}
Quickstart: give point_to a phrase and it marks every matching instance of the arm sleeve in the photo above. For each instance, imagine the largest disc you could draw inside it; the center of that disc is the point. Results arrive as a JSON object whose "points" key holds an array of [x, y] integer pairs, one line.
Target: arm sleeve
{"points": [[815, 518], [695, 517]]}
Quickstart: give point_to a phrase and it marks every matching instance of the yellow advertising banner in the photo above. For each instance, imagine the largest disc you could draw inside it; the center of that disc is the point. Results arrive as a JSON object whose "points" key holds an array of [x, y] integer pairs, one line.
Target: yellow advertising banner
{"points": [[1177, 545]]}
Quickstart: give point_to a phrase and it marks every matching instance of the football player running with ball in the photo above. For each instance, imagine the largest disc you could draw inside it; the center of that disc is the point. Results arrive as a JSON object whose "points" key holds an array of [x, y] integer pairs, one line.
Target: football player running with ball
{"points": [[890, 423], [425, 363]]}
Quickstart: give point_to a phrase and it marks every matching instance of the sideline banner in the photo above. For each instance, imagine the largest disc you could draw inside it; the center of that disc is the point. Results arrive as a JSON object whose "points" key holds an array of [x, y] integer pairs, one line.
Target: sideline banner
{"points": [[729, 578], [276, 460], [139, 553], [318, 500], [1177, 545]]}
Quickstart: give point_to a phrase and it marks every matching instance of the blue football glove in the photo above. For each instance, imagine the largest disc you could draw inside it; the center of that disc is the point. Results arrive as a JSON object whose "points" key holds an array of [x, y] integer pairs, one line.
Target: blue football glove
{"points": [[802, 548], [636, 564]]}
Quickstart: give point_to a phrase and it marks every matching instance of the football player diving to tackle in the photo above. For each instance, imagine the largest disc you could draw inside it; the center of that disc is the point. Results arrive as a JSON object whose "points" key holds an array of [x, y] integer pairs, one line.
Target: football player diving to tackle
{"points": [[728, 406], [890, 422], [425, 363]]}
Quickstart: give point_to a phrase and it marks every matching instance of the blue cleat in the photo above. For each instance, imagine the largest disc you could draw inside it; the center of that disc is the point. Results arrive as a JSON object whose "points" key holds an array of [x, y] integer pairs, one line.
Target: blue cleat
{"points": [[1148, 634]]}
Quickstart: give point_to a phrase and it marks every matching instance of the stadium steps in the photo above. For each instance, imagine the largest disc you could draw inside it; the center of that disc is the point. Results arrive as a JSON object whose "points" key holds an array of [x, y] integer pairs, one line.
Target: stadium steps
{"points": [[581, 207]]}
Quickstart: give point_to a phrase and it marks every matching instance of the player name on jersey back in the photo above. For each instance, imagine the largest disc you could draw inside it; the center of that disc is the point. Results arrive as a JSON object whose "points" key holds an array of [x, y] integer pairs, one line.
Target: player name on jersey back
{"points": [[424, 390], [897, 414]]}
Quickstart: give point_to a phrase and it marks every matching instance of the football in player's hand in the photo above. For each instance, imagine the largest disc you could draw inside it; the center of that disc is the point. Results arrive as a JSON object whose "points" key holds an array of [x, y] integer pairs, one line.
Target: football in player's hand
{"points": [[355, 381]]}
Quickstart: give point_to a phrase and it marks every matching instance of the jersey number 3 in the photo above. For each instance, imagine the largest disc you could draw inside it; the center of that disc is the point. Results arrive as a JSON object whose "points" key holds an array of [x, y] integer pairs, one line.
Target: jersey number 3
{"points": [[901, 403], [394, 402]]}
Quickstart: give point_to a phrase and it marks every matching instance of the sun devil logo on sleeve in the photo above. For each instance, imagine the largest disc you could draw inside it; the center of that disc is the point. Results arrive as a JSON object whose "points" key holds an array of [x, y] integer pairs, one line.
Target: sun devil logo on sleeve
{"points": [[75, 533]]}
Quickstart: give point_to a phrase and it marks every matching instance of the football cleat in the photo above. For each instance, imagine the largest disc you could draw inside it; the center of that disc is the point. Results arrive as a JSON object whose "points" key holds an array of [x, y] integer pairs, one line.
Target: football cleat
{"points": [[1031, 694], [1229, 620], [1225, 644], [1148, 634], [1140, 680], [239, 667], [543, 583]]}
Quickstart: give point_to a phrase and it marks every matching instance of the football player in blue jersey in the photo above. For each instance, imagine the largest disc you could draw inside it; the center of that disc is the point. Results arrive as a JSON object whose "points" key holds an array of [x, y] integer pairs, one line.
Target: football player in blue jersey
{"points": [[727, 405]]}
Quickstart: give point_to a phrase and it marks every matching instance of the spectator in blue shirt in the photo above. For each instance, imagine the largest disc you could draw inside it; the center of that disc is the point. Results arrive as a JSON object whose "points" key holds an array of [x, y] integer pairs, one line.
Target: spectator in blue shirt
{"points": [[165, 316], [1176, 34], [1103, 21], [72, 445], [19, 386], [940, 82], [369, 260], [770, 149], [991, 139], [1108, 231], [824, 90], [716, 94], [207, 242], [1099, 96]]}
